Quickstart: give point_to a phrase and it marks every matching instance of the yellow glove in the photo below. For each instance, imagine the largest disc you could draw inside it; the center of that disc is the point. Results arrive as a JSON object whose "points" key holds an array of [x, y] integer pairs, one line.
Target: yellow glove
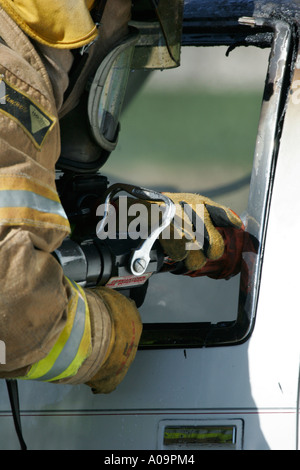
{"points": [[126, 333], [201, 213], [206, 236]]}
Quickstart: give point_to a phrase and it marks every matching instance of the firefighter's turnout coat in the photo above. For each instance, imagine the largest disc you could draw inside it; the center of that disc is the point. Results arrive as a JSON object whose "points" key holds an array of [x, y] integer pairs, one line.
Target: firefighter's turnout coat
{"points": [[53, 329]]}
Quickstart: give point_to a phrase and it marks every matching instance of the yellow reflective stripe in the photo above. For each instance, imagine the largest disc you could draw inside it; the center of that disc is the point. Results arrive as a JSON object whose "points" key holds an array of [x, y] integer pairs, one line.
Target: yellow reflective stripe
{"points": [[23, 182], [24, 201], [73, 345], [32, 217], [85, 347], [45, 365]]}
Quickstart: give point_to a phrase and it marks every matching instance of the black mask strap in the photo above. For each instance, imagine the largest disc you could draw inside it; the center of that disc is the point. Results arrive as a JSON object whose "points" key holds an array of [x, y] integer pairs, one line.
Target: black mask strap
{"points": [[97, 11]]}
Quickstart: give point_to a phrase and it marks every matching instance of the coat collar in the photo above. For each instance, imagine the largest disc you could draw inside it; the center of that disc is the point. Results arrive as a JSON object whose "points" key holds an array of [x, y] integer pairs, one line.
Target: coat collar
{"points": [[64, 24]]}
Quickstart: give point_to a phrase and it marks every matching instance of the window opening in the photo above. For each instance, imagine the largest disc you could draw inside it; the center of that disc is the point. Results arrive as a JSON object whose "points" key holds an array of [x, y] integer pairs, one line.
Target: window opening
{"points": [[198, 135]]}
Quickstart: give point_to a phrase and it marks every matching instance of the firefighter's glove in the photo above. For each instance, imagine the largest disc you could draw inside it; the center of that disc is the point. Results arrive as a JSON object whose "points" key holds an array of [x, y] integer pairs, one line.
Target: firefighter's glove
{"points": [[126, 332], [207, 237]]}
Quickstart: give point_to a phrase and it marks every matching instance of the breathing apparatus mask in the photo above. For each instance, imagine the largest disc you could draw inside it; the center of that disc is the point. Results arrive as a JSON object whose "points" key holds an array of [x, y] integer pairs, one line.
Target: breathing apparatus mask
{"points": [[89, 132]]}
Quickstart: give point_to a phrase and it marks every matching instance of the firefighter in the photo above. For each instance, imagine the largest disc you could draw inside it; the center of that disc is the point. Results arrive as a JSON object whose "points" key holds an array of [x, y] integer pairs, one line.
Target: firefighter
{"points": [[54, 330]]}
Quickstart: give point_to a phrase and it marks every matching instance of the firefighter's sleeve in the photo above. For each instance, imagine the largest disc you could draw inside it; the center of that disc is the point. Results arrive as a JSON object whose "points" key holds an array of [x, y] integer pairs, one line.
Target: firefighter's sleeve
{"points": [[53, 330]]}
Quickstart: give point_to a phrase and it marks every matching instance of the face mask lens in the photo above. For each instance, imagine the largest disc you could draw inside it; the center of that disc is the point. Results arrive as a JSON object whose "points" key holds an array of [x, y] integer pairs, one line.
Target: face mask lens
{"points": [[112, 96], [107, 93]]}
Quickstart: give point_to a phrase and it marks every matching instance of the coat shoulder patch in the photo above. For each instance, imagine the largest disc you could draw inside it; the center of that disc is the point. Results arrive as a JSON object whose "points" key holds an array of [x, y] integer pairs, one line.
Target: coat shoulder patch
{"points": [[34, 120]]}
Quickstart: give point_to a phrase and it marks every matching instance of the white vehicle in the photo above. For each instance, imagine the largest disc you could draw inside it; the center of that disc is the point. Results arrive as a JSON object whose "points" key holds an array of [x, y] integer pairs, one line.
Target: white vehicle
{"points": [[203, 384]]}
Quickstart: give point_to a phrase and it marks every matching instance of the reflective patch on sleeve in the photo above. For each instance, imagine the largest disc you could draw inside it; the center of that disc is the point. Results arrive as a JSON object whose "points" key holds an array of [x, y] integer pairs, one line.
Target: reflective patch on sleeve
{"points": [[73, 345], [26, 201], [33, 119]]}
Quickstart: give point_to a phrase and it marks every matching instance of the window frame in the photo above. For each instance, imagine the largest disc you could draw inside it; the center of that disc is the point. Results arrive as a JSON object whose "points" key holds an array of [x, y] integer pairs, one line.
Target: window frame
{"points": [[278, 36]]}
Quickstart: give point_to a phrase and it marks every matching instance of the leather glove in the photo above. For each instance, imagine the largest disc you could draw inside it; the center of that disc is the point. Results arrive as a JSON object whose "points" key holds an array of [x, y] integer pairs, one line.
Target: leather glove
{"points": [[126, 333], [205, 237], [219, 252]]}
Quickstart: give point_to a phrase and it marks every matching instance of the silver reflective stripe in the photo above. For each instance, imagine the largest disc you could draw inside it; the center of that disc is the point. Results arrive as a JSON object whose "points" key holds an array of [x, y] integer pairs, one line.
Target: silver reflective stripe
{"points": [[23, 198], [71, 346]]}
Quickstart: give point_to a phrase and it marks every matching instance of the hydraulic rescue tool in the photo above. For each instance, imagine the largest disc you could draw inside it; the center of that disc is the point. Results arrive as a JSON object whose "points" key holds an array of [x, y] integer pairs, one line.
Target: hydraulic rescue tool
{"points": [[119, 262]]}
